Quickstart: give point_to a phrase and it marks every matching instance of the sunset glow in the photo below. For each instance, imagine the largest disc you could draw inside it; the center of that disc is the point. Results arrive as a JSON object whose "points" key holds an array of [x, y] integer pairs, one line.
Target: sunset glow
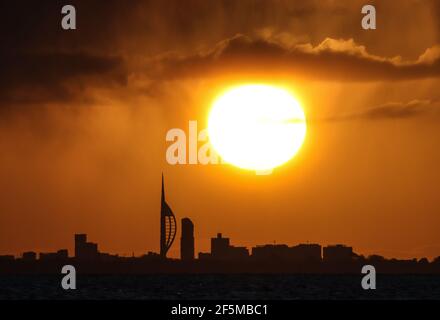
{"points": [[257, 127]]}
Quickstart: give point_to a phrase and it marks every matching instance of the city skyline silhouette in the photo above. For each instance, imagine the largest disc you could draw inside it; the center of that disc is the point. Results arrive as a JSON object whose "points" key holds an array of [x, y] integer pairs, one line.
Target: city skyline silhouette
{"points": [[300, 258]]}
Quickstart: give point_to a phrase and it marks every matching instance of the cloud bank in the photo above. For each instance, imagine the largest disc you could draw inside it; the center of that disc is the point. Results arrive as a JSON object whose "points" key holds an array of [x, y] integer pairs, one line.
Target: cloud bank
{"points": [[331, 60]]}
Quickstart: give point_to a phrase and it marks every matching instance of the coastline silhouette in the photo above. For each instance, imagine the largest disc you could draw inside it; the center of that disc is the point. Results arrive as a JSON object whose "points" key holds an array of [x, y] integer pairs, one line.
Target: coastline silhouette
{"points": [[223, 257]]}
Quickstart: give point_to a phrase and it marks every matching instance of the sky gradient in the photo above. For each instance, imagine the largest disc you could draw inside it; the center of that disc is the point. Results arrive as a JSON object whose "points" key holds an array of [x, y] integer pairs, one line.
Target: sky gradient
{"points": [[84, 114]]}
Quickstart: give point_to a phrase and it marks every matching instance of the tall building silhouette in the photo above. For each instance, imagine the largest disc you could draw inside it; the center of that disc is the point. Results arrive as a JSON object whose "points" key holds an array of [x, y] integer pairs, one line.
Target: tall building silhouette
{"points": [[168, 226], [221, 249], [219, 246], [338, 253], [29, 256], [80, 243], [187, 240], [84, 249]]}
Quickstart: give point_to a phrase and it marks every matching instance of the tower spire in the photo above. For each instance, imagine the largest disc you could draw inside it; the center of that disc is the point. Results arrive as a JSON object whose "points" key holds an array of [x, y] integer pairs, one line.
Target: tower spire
{"points": [[168, 225], [163, 190]]}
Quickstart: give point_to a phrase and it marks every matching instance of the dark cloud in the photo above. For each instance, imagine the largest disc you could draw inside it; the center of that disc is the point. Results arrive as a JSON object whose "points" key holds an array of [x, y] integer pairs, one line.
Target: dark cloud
{"points": [[51, 68], [42, 77], [397, 110], [393, 110], [334, 60], [27, 25], [41, 62]]}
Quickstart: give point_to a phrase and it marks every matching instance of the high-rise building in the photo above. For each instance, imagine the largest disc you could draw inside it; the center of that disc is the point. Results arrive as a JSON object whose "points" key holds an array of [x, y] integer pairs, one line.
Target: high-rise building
{"points": [[299, 253], [271, 252], [219, 246], [29, 256], [221, 249], [168, 226], [80, 242], [54, 256], [338, 253], [308, 252], [84, 249], [187, 240]]}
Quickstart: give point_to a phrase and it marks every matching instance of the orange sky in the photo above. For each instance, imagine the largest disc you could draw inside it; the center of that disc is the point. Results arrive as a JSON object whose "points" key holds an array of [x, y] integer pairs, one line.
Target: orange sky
{"points": [[84, 114]]}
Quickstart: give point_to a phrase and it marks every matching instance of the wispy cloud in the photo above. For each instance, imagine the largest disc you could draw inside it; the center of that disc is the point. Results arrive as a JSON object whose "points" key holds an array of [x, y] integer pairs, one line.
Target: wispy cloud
{"points": [[392, 110]]}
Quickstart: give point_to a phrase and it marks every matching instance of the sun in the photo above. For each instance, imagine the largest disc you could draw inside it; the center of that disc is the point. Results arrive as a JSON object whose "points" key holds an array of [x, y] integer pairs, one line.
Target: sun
{"points": [[256, 127]]}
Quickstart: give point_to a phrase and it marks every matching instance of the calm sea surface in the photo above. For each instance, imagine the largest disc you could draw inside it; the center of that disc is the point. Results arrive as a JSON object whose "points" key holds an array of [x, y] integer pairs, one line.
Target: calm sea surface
{"points": [[289, 287]]}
